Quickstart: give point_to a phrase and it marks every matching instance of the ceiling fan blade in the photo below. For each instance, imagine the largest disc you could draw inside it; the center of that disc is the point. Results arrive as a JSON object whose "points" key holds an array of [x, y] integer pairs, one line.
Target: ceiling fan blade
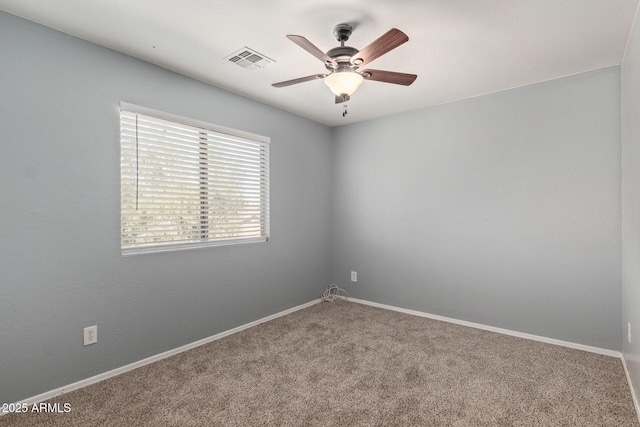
{"points": [[312, 49], [389, 77], [299, 80], [383, 44]]}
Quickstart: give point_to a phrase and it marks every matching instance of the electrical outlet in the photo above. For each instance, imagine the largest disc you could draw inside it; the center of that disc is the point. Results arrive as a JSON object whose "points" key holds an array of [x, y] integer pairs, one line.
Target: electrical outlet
{"points": [[90, 335], [629, 332], [354, 276]]}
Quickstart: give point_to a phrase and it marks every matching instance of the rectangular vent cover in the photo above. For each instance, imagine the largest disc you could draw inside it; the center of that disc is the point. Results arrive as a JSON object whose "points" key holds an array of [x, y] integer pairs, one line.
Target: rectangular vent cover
{"points": [[249, 59]]}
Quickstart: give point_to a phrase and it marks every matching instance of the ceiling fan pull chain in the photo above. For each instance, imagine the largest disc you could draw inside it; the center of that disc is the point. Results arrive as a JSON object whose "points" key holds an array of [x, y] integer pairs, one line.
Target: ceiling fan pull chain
{"points": [[344, 110]]}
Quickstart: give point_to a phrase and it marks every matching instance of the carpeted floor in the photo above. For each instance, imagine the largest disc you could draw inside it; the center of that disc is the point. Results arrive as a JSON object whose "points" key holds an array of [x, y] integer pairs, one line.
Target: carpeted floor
{"points": [[343, 364]]}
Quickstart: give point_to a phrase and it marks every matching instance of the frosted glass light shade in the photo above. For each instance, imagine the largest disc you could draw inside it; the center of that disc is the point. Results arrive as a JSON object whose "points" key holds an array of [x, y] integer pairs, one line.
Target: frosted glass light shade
{"points": [[343, 82]]}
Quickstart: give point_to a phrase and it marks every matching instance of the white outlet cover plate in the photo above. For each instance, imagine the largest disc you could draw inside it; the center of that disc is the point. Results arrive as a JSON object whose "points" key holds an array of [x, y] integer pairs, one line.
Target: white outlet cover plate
{"points": [[90, 335]]}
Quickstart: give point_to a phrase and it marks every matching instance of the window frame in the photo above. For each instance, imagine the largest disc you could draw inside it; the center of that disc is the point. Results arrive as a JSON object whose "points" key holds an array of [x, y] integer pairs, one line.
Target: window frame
{"points": [[263, 141]]}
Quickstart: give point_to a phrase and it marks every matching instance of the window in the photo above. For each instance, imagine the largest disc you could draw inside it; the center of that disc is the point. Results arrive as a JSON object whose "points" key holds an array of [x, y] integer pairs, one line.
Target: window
{"points": [[188, 184]]}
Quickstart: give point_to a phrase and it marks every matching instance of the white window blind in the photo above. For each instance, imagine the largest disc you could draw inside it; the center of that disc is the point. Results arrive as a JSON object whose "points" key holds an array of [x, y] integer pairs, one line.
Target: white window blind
{"points": [[187, 184]]}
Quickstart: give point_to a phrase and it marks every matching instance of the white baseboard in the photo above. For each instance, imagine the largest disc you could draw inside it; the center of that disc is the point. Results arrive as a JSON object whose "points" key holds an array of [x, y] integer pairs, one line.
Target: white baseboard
{"points": [[590, 349], [100, 377], [633, 392]]}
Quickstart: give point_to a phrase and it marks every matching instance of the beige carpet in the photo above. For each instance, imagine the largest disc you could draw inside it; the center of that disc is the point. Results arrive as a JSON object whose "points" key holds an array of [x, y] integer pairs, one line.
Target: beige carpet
{"points": [[343, 364]]}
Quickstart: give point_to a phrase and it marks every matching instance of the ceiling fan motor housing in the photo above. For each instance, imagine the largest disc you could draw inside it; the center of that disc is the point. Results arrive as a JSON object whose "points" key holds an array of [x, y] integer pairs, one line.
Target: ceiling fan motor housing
{"points": [[341, 55]]}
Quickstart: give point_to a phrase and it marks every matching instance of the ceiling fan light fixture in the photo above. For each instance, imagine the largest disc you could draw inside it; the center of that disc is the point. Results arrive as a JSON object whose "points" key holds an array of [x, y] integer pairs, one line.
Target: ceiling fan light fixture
{"points": [[343, 82]]}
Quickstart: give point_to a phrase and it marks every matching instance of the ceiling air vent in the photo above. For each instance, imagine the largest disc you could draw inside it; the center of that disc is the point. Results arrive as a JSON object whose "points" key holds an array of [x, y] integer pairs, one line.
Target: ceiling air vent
{"points": [[249, 59]]}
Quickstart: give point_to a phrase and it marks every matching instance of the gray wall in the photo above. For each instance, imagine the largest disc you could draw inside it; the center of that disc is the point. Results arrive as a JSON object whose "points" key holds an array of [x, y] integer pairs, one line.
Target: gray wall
{"points": [[502, 210], [60, 263], [631, 204]]}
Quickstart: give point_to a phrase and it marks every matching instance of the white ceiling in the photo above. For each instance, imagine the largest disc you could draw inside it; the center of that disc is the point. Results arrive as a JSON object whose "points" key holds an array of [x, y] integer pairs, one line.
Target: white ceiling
{"points": [[458, 48]]}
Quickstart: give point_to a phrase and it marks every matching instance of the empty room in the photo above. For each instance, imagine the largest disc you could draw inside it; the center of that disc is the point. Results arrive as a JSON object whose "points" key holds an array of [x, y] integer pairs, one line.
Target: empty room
{"points": [[320, 212]]}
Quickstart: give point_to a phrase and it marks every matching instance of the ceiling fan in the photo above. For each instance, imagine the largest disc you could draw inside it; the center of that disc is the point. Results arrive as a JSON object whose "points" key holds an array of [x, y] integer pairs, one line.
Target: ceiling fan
{"points": [[344, 62]]}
